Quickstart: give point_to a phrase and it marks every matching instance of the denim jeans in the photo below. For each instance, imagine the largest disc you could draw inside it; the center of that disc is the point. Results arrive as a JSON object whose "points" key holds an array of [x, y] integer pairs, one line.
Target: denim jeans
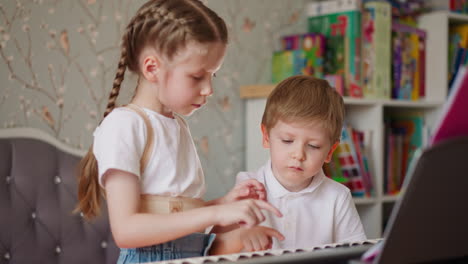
{"points": [[193, 245]]}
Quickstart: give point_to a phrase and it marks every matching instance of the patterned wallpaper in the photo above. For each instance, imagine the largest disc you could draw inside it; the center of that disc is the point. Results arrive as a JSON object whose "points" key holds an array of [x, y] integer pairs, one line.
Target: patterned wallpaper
{"points": [[58, 60]]}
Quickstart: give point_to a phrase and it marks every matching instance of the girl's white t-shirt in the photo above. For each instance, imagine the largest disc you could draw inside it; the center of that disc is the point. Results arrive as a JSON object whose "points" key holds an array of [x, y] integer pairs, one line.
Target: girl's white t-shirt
{"points": [[173, 168]]}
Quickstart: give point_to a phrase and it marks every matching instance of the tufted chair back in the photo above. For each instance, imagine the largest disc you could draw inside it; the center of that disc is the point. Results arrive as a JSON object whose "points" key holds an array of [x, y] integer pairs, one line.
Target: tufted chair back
{"points": [[38, 192]]}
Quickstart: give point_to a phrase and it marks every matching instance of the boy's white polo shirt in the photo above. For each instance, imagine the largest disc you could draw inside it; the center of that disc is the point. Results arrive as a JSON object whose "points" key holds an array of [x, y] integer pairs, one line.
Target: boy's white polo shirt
{"points": [[322, 213]]}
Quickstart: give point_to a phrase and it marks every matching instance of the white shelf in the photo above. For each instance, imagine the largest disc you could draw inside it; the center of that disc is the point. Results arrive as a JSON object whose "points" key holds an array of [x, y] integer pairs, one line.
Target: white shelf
{"points": [[361, 201], [455, 17], [368, 114], [388, 102], [390, 198]]}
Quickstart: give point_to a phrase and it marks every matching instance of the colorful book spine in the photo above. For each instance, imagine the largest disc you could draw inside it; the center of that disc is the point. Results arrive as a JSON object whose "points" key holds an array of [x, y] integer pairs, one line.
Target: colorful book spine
{"points": [[458, 46], [340, 22], [414, 53], [404, 135], [408, 73], [301, 55], [361, 153], [314, 48], [287, 63], [336, 81], [390, 186], [376, 47], [348, 161], [422, 66], [396, 63]]}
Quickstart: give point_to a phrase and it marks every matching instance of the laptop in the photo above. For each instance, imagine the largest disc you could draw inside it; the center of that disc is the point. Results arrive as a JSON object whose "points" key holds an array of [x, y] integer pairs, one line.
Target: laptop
{"points": [[429, 224]]}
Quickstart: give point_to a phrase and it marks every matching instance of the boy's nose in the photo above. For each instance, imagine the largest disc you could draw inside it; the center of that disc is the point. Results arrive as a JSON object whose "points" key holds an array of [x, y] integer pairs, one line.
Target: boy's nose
{"points": [[298, 154]]}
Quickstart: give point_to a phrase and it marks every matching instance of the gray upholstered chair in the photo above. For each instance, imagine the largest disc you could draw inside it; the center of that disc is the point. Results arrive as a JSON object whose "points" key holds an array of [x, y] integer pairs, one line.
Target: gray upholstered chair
{"points": [[38, 191]]}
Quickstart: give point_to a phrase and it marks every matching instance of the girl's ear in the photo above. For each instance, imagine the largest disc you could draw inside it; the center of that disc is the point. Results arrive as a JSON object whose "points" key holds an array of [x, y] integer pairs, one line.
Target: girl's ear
{"points": [[150, 68], [266, 139], [330, 153]]}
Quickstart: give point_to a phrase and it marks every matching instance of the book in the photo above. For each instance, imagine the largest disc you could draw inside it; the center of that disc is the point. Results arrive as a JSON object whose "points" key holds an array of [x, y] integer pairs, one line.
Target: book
{"points": [[458, 46], [336, 81], [301, 54], [407, 59], [406, 11], [313, 46], [376, 50], [422, 66], [340, 22], [453, 121], [458, 6], [361, 148], [414, 53], [348, 162], [332, 6], [287, 63], [404, 132]]}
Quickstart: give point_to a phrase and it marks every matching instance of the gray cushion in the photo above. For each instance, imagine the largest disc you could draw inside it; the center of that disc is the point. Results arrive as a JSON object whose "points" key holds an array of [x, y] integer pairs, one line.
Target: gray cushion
{"points": [[38, 192]]}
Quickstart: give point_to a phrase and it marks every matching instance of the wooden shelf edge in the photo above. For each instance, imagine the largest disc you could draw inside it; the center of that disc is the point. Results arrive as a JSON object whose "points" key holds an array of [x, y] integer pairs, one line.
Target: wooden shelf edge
{"points": [[256, 91]]}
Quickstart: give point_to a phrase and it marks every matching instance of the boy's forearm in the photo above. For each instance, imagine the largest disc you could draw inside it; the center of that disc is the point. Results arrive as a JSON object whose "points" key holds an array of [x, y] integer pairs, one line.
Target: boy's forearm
{"points": [[227, 243], [223, 229]]}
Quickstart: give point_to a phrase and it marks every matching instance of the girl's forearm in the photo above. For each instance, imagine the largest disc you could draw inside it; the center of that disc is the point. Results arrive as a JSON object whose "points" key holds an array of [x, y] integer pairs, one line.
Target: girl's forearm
{"points": [[141, 229], [216, 201]]}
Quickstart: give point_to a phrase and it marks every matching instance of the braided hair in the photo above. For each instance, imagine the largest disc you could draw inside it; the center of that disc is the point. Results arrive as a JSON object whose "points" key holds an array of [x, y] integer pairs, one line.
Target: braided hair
{"points": [[167, 25]]}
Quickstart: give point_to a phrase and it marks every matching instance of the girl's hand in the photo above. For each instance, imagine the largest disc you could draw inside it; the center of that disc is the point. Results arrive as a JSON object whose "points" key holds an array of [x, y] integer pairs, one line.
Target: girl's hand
{"points": [[259, 238], [249, 189], [246, 213]]}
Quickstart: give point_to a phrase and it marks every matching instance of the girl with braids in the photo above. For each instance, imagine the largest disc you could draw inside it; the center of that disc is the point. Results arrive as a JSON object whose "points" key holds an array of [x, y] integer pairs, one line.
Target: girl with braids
{"points": [[143, 159]]}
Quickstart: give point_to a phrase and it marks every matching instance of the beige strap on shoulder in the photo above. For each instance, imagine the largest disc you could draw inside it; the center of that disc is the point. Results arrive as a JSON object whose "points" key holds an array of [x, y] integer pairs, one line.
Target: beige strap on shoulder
{"points": [[157, 204], [149, 131]]}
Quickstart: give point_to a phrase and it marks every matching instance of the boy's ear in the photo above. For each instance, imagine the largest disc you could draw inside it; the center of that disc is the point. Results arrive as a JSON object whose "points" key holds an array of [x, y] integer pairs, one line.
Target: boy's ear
{"points": [[150, 68], [332, 149], [266, 139]]}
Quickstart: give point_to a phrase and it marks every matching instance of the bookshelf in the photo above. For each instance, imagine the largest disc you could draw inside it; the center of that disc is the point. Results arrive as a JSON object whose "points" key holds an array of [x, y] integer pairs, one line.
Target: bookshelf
{"points": [[368, 114]]}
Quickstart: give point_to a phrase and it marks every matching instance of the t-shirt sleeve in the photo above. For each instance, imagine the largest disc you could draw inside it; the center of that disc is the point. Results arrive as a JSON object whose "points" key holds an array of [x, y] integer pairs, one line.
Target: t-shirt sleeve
{"points": [[119, 143], [243, 176], [348, 226]]}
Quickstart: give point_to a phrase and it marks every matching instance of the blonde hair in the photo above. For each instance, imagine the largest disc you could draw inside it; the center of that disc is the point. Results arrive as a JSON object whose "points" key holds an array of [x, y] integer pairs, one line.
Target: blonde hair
{"points": [[167, 25], [303, 99]]}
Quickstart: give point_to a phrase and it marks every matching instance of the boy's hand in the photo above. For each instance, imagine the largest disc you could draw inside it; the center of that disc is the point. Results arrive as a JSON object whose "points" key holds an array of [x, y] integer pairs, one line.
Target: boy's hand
{"points": [[249, 189], [259, 238], [246, 213]]}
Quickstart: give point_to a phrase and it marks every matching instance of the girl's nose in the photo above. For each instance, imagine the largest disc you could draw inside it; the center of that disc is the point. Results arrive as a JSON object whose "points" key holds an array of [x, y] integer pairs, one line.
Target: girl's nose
{"points": [[207, 89]]}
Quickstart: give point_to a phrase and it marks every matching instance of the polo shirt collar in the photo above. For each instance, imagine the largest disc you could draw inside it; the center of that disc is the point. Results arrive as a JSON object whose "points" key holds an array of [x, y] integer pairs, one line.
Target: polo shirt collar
{"points": [[276, 190]]}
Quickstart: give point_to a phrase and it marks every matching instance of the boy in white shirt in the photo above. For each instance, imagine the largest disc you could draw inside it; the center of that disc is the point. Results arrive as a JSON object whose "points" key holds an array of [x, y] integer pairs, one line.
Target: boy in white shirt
{"points": [[301, 126]]}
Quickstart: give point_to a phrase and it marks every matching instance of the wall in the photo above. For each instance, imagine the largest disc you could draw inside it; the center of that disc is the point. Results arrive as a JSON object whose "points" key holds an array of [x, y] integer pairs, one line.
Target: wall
{"points": [[58, 61]]}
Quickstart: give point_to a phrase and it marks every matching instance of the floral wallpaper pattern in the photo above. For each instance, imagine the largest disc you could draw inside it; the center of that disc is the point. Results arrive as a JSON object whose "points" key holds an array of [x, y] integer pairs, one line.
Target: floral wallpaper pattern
{"points": [[58, 60]]}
